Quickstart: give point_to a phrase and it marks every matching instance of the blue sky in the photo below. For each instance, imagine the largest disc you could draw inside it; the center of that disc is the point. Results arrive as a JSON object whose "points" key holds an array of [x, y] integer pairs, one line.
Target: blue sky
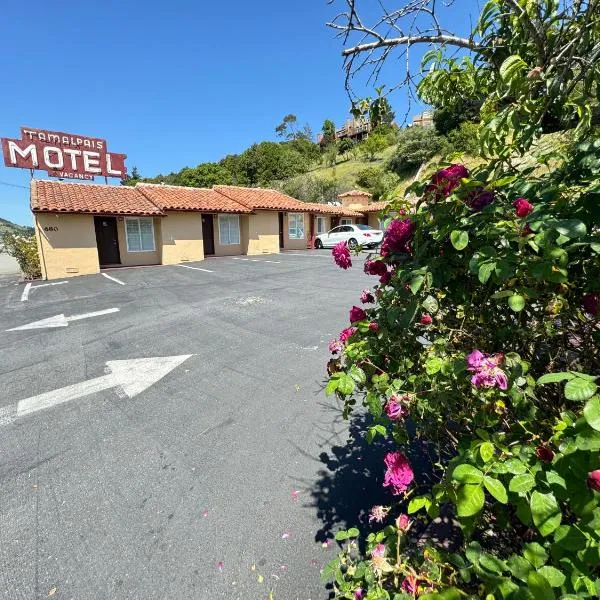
{"points": [[170, 84]]}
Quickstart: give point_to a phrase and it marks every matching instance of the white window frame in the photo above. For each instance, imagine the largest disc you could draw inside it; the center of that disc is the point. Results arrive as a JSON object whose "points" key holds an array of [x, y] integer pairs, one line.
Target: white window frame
{"points": [[293, 231], [323, 229], [346, 221], [229, 219], [139, 234]]}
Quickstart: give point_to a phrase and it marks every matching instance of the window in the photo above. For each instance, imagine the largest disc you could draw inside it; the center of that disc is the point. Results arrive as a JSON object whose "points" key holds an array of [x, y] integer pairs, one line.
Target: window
{"points": [[139, 233], [321, 222], [346, 221], [364, 227], [229, 229], [296, 226]]}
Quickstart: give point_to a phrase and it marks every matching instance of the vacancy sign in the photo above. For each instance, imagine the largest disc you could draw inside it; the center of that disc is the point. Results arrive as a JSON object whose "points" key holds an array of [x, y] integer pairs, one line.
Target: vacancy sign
{"points": [[63, 155]]}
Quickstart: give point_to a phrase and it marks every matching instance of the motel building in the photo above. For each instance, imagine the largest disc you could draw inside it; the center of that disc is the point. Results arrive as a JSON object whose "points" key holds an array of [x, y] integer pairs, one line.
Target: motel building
{"points": [[81, 228]]}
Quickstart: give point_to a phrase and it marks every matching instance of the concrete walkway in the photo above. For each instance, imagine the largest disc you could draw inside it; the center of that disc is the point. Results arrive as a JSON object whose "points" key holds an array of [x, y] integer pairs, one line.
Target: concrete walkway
{"points": [[8, 265]]}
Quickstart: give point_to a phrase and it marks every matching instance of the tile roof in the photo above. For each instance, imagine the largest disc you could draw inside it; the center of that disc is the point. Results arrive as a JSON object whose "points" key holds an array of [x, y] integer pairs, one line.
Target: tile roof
{"points": [[261, 198], [58, 196], [375, 207], [173, 197], [354, 193], [331, 209]]}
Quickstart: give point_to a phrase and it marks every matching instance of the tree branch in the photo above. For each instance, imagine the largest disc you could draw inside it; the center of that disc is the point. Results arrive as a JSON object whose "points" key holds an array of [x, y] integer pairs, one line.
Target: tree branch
{"points": [[414, 39]]}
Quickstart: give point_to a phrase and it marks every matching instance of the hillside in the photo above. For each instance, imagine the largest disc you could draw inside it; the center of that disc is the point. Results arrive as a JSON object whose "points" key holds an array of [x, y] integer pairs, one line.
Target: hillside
{"points": [[9, 227]]}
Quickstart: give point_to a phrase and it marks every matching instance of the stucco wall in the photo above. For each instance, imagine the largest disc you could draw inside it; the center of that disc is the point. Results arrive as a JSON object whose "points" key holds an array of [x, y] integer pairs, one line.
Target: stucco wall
{"points": [[262, 233], [294, 244], [132, 259], [66, 244], [374, 220], [181, 235], [229, 249]]}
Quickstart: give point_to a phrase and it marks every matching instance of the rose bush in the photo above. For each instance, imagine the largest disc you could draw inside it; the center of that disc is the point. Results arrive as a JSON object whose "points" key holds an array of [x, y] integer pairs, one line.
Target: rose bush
{"points": [[487, 348]]}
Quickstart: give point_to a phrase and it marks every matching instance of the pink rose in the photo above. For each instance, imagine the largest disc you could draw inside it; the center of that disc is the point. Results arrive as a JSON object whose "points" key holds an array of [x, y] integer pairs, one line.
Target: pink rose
{"points": [[341, 255], [357, 314], [593, 480], [522, 207], [426, 319]]}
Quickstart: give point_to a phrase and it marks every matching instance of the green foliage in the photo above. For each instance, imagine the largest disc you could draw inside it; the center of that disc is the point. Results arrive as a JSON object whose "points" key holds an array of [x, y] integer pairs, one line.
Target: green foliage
{"points": [[328, 131], [450, 117], [415, 146], [373, 145], [268, 161], [464, 139], [513, 452], [9, 227], [204, 175], [312, 189], [24, 250], [378, 182], [346, 145]]}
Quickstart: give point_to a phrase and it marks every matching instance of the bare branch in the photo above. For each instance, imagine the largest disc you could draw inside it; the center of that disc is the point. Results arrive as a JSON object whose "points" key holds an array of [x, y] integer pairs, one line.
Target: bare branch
{"points": [[414, 39]]}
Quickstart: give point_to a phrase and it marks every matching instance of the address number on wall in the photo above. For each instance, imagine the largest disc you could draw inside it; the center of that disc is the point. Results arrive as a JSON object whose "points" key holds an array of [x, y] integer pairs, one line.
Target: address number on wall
{"points": [[50, 228]]}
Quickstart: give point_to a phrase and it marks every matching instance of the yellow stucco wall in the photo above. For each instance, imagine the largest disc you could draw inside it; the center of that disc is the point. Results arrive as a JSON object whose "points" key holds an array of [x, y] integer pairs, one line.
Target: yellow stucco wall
{"points": [[66, 244], [133, 259], [181, 235], [294, 244], [229, 249], [327, 224], [261, 233], [374, 220]]}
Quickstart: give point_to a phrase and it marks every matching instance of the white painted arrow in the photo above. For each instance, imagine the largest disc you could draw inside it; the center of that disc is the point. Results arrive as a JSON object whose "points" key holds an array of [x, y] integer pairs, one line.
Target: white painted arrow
{"points": [[131, 376], [61, 320]]}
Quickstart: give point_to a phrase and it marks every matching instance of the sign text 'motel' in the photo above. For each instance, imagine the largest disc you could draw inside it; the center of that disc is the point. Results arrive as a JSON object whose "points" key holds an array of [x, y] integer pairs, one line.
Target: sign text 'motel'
{"points": [[63, 155]]}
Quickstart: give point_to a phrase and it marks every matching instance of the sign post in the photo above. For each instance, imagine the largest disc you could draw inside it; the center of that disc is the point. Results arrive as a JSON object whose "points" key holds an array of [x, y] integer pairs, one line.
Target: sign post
{"points": [[63, 155]]}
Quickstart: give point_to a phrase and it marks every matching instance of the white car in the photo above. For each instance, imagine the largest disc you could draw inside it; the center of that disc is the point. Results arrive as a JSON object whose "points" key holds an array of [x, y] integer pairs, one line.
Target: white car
{"points": [[353, 235]]}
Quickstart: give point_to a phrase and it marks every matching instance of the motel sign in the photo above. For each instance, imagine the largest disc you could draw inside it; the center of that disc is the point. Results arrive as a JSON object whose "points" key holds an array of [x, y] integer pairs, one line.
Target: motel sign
{"points": [[63, 155]]}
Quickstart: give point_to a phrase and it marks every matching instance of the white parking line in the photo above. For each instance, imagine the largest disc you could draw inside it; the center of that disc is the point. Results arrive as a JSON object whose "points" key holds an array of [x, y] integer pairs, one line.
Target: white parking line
{"points": [[306, 255], [25, 294], [275, 262], [113, 279], [29, 288], [195, 268]]}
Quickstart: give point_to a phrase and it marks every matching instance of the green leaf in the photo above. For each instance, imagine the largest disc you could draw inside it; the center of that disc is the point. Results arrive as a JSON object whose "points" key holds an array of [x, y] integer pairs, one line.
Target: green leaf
{"points": [[511, 67], [433, 365], [571, 538], [554, 378], [416, 283], [515, 466], [353, 532], [591, 412], [374, 404], [521, 483], [535, 554], [553, 576], [516, 302], [345, 384], [496, 489], [595, 247], [572, 228], [539, 587], [430, 304], [342, 535], [485, 271], [545, 512], [417, 504], [487, 451], [332, 384], [491, 563], [519, 567], [579, 389], [459, 239], [467, 474], [469, 500], [357, 374]]}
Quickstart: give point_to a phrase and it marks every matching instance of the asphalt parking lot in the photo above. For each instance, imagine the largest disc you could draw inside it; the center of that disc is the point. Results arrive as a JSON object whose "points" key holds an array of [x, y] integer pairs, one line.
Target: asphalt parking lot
{"points": [[193, 476]]}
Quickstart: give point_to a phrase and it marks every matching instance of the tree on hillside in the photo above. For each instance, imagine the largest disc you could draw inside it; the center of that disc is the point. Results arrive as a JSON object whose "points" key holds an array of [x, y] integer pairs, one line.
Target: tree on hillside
{"points": [[415, 146], [287, 128], [328, 131], [233, 164], [373, 145], [269, 161], [132, 178], [205, 175], [520, 51]]}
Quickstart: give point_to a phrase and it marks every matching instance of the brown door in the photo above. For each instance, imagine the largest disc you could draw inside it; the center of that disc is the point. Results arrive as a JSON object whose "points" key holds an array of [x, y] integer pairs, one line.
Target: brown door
{"points": [[107, 240], [208, 234], [280, 230]]}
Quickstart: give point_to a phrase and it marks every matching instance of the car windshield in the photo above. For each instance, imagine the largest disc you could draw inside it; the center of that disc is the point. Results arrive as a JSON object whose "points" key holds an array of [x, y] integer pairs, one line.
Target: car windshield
{"points": [[364, 227]]}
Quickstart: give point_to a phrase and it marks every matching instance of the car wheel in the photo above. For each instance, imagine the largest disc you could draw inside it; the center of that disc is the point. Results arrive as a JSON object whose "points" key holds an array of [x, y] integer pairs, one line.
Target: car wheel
{"points": [[318, 244], [352, 243]]}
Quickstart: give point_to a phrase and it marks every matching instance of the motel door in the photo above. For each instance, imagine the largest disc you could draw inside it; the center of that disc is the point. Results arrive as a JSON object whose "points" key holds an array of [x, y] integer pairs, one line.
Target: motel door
{"points": [[281, 244], [107, 240], [208, 234]]}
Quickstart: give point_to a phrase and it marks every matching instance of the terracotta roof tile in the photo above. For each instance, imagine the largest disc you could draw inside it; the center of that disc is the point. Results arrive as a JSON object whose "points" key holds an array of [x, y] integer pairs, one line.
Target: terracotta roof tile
{"points": [[173, 197], [331, 209], [354, 193], [261, 198], [375, 207], [58, 196]]}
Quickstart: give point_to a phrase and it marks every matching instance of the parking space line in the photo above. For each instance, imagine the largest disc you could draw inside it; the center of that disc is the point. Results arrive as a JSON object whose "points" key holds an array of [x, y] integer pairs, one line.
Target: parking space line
{"points": [[275, 262], [29, 288], [195, 268], [113, 279], [25, 294]]}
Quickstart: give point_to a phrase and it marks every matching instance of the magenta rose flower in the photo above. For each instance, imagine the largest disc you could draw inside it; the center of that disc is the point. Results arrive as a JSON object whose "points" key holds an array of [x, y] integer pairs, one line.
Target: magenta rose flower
{"points": [[335, 346], [544, 453], [479, 198], [357, 314], [385, 278], [409, 585], [591, 303], [366, 297], [373, 326], [526, 230], [486, 369], [341, 255], [445, 181], [426, 319], [375, 267], [593, 480], [522, 207], [399, 474], [397, 236], [394, 409], [347, 333], [402, 522], [359, 594]]}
